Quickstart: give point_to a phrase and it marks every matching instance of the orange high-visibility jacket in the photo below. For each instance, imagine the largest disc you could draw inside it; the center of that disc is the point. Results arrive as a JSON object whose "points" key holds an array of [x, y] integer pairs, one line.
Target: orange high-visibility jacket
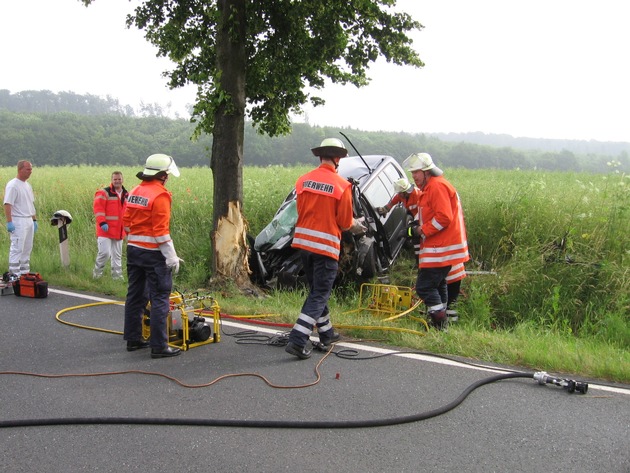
{"points": [[148, 214], [324, 206], [442, 223], [410, 203], [457, 273], [109, 208]]}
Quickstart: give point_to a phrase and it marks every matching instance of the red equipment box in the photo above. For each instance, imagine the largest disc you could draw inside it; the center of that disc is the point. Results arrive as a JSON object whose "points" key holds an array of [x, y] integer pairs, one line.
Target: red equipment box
{"points": [[31, 285]]}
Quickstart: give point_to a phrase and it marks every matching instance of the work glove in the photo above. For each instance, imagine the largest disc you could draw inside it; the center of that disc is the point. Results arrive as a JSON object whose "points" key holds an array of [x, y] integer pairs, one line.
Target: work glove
{"points": [[34, 226], [382, 211], [104, 227], [172, 260], [10, 227], [357, 227]]}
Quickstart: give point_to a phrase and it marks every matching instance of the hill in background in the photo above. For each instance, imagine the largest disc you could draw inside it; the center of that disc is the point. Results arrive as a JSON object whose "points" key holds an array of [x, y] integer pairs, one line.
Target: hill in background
{"points": [[67, 128], [604, 148]]}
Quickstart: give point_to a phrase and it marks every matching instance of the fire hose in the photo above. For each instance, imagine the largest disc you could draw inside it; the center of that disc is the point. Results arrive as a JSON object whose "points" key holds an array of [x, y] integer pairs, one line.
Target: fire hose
{"points": [[295, 424], [542, 378]]}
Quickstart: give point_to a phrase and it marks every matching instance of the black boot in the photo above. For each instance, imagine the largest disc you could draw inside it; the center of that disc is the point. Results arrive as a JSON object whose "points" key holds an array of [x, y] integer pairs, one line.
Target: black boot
{"points": [[164, 352], [133, 345], [325, 343], [301, 352]]}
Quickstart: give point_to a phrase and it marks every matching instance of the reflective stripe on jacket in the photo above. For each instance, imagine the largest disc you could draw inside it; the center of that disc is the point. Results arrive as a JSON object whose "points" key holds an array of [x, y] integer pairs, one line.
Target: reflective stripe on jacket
{"points": [[442, 223], [324, 206], [148, 214], [109, 208], [457, 273]]}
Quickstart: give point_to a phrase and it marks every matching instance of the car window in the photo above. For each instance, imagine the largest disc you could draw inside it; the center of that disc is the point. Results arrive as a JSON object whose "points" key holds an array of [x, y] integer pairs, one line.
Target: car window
{"points": [[378, 193], [393, 173]]}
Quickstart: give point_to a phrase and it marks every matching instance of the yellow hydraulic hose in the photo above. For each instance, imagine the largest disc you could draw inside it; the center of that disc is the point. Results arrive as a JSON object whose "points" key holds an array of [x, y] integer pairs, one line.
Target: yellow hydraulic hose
{"points": [[254, 316], [88, 327], [412, 308]]}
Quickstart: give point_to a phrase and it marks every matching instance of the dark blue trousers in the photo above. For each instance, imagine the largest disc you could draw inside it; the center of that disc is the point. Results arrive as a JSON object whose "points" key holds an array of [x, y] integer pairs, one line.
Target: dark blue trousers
{"points": [[431, 287], [321, 272], [149, 279]]}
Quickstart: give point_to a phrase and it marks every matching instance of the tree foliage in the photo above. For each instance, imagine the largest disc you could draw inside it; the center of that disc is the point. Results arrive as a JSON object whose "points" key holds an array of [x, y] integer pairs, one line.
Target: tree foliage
{"points": [[292, 49], [261, 60], [64, 138], [45, 101]]}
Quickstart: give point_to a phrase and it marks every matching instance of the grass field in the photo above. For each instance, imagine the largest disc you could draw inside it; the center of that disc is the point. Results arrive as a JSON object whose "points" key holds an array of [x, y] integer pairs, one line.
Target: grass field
{"points": [[558, 243]]}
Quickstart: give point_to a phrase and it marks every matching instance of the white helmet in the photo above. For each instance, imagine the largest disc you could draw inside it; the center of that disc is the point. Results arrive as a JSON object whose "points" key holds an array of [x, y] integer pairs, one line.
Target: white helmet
{"points": [[158, 163], [331, 148], [402, 185], [421, 162], [62, 215]]}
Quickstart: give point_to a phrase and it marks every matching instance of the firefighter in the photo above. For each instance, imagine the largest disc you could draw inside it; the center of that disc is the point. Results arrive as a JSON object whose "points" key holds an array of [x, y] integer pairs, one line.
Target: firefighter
{"points": [[109, 208], [406, 193], [453, 285], [19, 210], [442, 232], [151, 256], [409, 196], [324, 207]]}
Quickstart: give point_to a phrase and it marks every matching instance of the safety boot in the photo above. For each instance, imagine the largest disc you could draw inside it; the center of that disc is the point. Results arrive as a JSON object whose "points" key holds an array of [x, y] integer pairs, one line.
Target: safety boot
{"points": [[165, 352], [325, 344], [133, 345], [301, 352], [438, 319]]}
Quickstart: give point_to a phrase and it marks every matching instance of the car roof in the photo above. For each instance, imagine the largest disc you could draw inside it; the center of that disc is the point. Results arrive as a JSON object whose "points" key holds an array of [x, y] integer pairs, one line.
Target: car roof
{"points": [[354, 166]]}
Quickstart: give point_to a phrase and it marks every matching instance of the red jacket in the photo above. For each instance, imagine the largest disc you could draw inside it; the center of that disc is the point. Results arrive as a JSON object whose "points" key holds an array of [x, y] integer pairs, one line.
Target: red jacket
{"points": [[324, 206], [457, 273], [442, 223], [109, 208], [410, 203], [148, 215]]}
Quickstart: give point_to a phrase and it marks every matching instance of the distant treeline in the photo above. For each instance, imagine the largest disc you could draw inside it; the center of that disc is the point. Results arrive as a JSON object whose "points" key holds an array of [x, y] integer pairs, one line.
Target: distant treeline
{"points": [[583, 147], [45, 101], [68, 129]]}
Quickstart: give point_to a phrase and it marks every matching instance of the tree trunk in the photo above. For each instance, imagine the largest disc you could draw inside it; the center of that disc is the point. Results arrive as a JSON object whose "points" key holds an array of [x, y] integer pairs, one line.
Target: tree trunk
{"points": [[229, 231]]}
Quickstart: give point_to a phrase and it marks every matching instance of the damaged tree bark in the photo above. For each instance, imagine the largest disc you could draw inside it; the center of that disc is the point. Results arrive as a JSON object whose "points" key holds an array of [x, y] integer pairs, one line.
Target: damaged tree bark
{"points": [[230, 247], [229, 234]]}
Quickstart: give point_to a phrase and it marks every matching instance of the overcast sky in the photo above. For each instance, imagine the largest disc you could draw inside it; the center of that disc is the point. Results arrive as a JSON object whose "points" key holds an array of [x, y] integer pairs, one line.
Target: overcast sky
{"points": [[536, 68]]}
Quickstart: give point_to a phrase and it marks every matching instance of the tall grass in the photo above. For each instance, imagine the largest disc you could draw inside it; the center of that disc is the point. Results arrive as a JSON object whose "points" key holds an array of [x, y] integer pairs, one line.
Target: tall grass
{"points": [[558, 243]]}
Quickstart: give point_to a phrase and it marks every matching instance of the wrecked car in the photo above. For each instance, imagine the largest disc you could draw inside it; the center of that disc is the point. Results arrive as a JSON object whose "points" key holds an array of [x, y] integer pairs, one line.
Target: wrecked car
{"points": [[274, 264]]}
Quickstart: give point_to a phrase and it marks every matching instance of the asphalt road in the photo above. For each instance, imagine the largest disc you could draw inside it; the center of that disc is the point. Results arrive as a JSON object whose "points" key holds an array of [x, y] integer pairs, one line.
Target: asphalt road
{"points": [[511, 425]]}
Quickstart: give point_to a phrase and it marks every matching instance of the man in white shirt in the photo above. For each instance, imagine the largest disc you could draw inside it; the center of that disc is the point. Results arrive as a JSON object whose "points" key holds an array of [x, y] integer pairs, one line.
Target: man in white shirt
{"points": [[19, 209]]}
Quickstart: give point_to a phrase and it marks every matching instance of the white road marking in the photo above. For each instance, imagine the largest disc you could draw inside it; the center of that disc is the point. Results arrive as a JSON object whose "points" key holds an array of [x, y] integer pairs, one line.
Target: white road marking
{"points": [[355, 346]]}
